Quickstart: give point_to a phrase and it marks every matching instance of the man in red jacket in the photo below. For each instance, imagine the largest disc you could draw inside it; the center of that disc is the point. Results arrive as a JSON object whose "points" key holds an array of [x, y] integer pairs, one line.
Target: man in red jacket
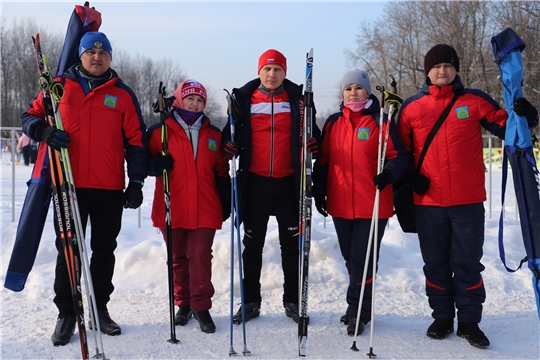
{"points": [[103, 127], [450, 190], [268, 116]]}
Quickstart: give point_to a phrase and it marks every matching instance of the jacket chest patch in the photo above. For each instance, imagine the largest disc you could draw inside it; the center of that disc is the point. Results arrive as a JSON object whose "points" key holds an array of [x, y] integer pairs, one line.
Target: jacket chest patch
{"points": [[110, 101], [363, 133], [462, 112], [212, 145]]}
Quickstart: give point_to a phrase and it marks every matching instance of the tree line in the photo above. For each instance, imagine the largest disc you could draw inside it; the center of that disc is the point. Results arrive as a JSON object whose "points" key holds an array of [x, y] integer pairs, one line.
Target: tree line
{"points": [[393, 44], [19, 73], [397, 42]]}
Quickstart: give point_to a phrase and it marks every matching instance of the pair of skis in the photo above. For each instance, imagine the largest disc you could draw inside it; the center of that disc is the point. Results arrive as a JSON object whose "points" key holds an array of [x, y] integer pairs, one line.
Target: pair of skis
{"points": [[304, 229], [67, 218]]}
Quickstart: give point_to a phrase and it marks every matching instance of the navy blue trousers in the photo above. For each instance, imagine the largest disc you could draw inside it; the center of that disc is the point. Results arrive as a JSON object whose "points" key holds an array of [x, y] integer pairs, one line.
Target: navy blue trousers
{"points": [[451, 241], [353, 237]]}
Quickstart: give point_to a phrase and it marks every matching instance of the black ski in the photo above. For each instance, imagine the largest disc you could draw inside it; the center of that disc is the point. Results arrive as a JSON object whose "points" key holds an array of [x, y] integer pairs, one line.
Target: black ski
{"points": [[304, 230], [63, 214]]}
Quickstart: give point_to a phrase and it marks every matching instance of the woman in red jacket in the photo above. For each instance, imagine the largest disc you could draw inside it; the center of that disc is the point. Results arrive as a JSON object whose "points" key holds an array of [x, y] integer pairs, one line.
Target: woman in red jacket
{"points": [[199, 198], [345, 181]]}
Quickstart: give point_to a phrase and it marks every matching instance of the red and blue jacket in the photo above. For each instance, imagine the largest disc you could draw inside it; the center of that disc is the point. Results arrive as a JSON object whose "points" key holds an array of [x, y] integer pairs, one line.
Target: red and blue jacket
{"points": [[198, 188], [281, 152], [105, 127], [347, 163], [454, 160]]}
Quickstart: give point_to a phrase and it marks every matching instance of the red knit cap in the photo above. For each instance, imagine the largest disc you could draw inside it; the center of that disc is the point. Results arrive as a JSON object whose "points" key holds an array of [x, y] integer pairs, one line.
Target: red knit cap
{"points": [[187, 88], [273, 57]]}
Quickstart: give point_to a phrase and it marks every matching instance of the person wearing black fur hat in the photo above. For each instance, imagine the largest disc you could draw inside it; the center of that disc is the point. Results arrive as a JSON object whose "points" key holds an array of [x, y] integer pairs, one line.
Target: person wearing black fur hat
{"points": [[103, 128], [346, 180], [268, 114], [449, 191]]}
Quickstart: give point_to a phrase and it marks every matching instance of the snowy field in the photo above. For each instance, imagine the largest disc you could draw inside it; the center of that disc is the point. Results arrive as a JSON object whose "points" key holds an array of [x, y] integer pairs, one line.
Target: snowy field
{"points": [[140, 301]]}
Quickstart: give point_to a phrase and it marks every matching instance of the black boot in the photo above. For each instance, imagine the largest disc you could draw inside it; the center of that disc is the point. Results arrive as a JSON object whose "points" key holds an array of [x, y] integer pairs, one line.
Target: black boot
{"points": [[472, 333], [291, 310], [65, 327], [106, 324], [440, 328], [183, 315], [251, 311], [351, 326], [344, 319], [205, 321]]}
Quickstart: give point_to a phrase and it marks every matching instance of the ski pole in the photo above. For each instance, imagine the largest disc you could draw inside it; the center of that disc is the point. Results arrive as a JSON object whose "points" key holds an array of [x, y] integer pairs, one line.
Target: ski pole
{"points": [[374, 228], [168, 226], [236, 215], [67, 209]]}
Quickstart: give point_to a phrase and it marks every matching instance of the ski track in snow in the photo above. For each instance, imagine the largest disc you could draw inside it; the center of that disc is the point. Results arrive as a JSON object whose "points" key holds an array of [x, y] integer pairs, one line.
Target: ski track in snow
{"points": [[140, 300]]}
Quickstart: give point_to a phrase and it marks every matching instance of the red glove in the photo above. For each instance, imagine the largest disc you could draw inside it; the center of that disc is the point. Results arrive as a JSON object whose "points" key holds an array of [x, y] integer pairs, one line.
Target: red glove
{"points": [[230, 150], [312, 147]]}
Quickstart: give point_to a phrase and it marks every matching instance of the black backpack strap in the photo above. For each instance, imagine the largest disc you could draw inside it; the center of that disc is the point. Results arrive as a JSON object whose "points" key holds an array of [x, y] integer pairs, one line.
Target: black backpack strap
{"points": [[436, 128]]}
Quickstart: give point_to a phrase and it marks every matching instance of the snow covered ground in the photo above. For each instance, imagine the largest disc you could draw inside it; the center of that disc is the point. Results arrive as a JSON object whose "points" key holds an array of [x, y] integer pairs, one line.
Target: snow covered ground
{"points": [[140, 301]]}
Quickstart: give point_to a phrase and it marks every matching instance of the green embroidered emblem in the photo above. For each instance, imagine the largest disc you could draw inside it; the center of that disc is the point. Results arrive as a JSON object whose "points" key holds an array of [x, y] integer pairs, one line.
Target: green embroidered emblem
{"points": [[212, 144], [462, 112], [110, 101], [363, 134]]}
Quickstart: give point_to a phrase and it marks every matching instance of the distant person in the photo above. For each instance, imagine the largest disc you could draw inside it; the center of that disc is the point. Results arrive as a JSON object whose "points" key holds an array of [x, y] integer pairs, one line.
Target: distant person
{"points": [[200, 198], [103, 127], [268, 116], [346, 179], [24, 146], [450, 190]]}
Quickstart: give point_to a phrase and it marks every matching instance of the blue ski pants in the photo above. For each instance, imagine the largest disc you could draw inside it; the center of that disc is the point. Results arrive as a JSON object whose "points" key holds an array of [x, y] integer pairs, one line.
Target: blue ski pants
{"points": [[451, 241]]}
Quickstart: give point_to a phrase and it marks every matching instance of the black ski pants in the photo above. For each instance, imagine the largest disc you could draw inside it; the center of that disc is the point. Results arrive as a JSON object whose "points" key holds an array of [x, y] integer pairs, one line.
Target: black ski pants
{"points": [[451, 241], [265, 197], [353, 238], [104, 208]]}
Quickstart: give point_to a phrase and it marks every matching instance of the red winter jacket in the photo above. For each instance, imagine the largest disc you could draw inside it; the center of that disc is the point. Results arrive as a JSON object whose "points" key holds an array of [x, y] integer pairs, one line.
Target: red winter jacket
{"points": [[195, 199], [454, 160], [271, 126], [105, 126], [348, 162]]}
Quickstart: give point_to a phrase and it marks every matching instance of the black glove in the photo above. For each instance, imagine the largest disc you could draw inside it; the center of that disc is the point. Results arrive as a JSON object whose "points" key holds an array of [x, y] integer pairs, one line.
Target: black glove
{"points": [[320, 204], [419, 183], [312, 147], [167, 104], [523, 107], [133, 196], [383, 179], [53, 137], [163, 162], [226, 210], [230, 150], [236, 108], [392, 99]]}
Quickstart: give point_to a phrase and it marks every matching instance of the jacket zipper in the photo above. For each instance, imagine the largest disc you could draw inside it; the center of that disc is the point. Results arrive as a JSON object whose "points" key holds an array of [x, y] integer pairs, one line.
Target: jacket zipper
{"points": [[272, 133]]}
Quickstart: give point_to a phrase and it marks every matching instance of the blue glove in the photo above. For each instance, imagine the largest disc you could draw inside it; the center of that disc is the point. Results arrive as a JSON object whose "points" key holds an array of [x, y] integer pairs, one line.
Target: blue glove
{"points": [[133, 196]]}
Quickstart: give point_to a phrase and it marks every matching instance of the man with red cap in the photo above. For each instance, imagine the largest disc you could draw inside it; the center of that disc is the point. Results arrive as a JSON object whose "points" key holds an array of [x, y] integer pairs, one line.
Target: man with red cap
{"points": [[268, 113], [449, 191]]}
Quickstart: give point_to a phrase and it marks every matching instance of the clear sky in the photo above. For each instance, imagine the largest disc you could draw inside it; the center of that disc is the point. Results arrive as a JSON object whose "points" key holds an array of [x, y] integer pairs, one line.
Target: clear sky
{"points": [[218, 43]]}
